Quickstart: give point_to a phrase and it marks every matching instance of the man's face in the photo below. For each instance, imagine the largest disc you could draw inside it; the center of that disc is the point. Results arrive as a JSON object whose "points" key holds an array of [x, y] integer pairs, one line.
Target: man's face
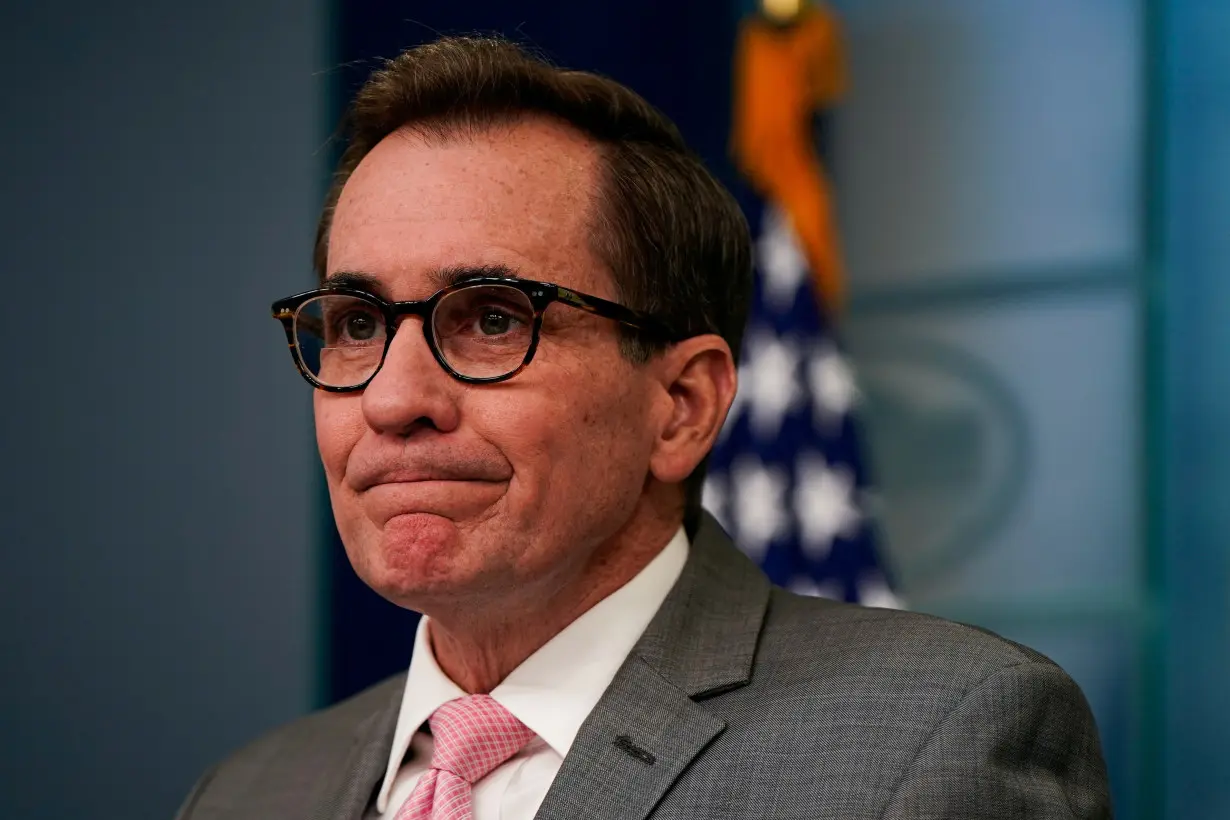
{"points": [[444, 490]]}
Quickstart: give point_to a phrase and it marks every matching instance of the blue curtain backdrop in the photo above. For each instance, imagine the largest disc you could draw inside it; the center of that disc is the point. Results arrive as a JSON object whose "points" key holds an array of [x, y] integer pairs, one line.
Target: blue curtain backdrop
{"points": [[676, 54]]}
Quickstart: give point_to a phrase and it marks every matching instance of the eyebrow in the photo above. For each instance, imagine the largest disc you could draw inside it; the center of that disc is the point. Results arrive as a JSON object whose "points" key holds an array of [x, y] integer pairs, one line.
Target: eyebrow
{"points": [[353, 279], [456, 274], [440, 277]]}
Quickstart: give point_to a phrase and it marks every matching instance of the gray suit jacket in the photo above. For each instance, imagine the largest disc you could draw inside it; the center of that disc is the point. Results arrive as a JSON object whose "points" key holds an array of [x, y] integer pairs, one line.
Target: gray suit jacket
{"points": [[742, 700]]}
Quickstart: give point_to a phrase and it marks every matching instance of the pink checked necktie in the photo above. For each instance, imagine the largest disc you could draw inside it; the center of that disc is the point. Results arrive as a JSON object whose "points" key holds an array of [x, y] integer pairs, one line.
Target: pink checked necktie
{"points": [[472, 736]]}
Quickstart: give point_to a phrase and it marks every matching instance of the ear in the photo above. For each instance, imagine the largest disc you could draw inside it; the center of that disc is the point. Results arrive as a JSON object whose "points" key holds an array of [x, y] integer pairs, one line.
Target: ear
{"points": [[699, 381]]}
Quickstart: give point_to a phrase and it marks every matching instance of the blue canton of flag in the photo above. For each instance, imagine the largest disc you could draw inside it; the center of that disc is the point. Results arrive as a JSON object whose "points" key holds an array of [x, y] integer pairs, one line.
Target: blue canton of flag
{"points": [[786, 478]]}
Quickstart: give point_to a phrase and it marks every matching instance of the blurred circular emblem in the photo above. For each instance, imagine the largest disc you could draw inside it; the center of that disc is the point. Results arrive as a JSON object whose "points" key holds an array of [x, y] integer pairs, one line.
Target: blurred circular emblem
{"points": [[949, 451]]}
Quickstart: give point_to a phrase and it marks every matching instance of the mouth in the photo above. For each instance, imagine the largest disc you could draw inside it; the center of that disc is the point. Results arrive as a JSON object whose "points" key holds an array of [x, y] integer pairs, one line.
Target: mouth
{"points": [[434, 474], [452, 498], [433, 481]]}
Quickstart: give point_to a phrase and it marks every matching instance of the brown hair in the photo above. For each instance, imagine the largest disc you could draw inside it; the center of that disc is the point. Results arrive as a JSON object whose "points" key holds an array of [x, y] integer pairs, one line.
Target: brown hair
{"points": [[676, 242]]}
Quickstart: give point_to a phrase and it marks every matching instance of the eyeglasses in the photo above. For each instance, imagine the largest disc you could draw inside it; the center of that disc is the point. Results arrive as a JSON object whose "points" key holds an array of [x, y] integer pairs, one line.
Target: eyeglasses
{"points": [[480, 330]]}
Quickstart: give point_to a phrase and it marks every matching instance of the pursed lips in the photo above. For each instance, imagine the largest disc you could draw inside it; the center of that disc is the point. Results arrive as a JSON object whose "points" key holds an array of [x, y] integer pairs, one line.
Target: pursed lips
{"points": [[420, 477], [448, 494], [455, 472]]}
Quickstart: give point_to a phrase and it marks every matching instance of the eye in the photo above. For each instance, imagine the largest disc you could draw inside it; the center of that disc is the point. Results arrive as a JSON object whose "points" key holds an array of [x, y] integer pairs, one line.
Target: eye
{"points": [[359, 326], [493, 314], [493, 322], [349, 321]]}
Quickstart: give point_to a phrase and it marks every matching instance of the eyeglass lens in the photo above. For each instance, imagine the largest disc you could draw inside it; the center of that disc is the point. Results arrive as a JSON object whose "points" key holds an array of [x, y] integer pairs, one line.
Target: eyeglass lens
{"points": [[482, 332]]}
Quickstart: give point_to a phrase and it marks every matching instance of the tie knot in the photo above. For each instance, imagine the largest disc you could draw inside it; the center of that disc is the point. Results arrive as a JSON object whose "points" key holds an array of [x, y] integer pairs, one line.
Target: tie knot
{"points": [[473, 735]]}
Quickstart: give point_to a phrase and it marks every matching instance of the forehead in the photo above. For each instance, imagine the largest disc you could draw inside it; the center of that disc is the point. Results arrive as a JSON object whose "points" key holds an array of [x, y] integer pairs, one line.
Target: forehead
{"points": [[518, 195]]}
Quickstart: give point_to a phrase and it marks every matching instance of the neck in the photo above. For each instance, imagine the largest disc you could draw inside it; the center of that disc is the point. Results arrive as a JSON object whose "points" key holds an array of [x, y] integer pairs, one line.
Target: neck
{"points": [[478, 646]]}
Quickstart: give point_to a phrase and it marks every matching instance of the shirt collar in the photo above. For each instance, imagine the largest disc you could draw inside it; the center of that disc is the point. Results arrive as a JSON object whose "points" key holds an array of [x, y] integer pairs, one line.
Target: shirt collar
{"points": [[554, 690]]}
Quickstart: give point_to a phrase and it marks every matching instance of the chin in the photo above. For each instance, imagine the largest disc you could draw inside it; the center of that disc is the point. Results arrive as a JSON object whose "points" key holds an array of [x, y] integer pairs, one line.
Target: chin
{"points": [[414, 558]]}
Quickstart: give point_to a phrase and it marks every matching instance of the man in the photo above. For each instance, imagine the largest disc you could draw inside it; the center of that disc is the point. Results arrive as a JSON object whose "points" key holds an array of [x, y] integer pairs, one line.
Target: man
{"points": [[523, 348]]}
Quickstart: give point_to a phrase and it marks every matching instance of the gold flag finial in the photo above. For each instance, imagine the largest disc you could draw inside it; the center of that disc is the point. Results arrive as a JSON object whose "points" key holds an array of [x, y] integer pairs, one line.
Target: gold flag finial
{"points": [[781, 10]]}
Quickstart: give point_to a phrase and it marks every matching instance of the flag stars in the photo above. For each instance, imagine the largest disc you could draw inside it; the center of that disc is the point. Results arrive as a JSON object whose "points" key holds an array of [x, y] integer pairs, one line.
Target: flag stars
{"points": [[780, 259], [760, 513], [833, 388], [778, 480], [824, 503], [805, 585], [874, 591], [714, 498], [768, 383]]}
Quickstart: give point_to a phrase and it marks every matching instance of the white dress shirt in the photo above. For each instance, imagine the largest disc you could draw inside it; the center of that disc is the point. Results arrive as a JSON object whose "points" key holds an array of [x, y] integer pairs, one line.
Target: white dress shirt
{"points": [[551, 692]]}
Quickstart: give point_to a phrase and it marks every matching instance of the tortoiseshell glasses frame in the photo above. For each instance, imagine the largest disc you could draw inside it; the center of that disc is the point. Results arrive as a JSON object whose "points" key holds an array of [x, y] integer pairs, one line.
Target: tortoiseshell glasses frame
{"points": [[538, 297]]}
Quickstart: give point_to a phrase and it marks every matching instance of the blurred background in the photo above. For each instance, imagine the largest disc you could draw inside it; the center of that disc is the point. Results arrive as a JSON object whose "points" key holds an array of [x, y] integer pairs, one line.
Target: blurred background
{"points": [[1034, 200]]}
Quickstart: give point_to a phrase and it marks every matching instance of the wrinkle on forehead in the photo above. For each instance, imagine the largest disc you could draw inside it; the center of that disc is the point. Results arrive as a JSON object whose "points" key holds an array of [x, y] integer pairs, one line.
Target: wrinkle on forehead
{"points": [[528, 187]]}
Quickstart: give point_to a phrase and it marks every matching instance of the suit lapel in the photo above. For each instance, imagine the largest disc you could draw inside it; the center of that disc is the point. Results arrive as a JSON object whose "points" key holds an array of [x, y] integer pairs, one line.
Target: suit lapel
{"points": [[344, 792], [629, 752], [651, 722], [704, 637]]}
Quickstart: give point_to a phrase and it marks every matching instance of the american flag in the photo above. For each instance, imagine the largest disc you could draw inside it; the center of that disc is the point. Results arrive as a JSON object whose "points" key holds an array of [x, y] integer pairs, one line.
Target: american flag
{"points": [[786, 478]]}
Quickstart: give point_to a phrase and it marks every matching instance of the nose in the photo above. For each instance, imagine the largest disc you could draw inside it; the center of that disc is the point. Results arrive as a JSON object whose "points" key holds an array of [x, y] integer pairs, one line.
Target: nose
{"points": [[411, 391]]}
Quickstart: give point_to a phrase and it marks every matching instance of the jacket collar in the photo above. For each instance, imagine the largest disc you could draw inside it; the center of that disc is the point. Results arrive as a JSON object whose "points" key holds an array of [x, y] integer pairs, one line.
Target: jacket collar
{"points": [[651, 722]]}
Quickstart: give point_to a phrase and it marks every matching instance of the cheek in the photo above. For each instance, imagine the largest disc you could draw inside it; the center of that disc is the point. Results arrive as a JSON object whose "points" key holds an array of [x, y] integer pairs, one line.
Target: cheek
{"points": [[597, 439], [616, 432], [339, 425]]}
